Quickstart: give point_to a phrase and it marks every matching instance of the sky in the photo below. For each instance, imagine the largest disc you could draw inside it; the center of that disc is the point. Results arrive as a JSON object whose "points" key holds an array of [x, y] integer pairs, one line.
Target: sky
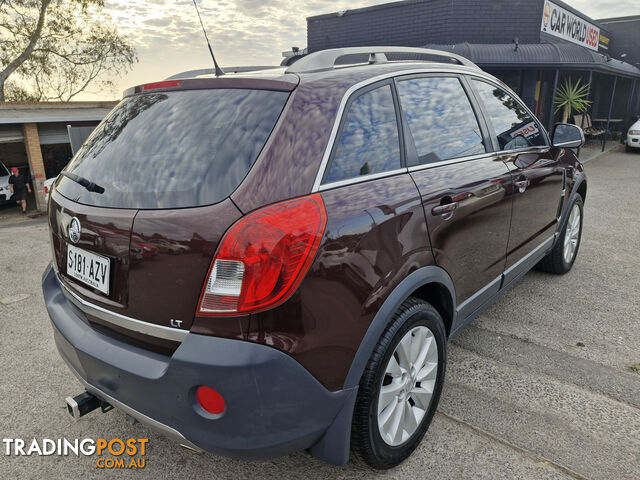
{"points": [[168, 38]]}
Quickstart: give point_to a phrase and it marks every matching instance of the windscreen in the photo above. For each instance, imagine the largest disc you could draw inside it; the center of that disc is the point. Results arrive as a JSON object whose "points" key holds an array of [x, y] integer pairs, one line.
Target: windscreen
{"points": [[174, 149]]}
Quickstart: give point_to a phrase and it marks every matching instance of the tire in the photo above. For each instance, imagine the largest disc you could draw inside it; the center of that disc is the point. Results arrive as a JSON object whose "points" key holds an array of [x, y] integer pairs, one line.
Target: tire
{"points": [[414, 321], [556, 261]]}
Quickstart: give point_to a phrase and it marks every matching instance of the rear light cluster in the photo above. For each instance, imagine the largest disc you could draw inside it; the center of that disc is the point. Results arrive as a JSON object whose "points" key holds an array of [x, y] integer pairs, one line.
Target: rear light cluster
{"points": [[263, 257]]}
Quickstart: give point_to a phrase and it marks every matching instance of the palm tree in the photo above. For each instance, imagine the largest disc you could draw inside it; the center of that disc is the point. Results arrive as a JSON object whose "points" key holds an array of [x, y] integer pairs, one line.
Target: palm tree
{"points": [[571, 98]]}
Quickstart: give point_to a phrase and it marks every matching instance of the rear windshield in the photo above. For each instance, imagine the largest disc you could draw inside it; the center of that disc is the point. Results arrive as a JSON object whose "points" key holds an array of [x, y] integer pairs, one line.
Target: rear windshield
{"points": [[172, 150]]}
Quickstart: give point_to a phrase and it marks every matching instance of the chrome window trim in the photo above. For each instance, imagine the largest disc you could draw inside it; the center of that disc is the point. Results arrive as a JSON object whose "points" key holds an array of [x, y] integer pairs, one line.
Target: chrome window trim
{"points": [[517, 151], [158, 331], [317, 184], [451, 161], [372, 176]]}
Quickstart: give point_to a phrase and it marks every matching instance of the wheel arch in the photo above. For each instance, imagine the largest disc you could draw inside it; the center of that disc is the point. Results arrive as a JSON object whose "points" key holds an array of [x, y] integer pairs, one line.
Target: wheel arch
{"points": [[582, 189], [579, 188], [439, 296], [432, 284]]}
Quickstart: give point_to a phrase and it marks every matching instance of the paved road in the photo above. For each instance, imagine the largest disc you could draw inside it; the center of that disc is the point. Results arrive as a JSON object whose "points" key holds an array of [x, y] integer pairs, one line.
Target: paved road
{"points": [[538, 387]]}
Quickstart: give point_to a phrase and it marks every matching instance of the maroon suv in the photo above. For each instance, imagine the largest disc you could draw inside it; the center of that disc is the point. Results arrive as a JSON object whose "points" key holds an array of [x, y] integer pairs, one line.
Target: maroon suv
{"points": [[267, 262]]}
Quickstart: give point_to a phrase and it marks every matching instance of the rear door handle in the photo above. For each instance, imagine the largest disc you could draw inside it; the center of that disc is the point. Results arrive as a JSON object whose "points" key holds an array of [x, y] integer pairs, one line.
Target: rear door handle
{"points": [[445, 210], [522, 185]]}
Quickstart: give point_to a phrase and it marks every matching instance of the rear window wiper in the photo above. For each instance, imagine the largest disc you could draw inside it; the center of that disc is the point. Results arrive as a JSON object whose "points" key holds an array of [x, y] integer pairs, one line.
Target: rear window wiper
{"points": [[89, 185]]}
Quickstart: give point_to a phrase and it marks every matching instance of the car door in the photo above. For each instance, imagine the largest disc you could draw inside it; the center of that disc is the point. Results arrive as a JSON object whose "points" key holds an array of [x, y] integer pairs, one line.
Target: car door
{"points": [[462, 184], [538, 178]]}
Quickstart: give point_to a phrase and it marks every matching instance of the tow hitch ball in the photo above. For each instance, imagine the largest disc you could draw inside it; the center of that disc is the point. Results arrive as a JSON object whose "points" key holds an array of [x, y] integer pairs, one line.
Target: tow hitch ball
{"points": [[84, 403]]}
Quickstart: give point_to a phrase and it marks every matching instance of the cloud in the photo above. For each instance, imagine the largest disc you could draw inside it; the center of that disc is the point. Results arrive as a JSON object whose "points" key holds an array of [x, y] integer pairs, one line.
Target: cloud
{"points": [[606, 8], [169, 39]]}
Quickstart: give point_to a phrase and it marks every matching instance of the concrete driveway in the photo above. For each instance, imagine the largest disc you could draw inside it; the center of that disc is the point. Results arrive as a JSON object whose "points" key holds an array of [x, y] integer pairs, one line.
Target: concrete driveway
{"points": [[541, 386]]}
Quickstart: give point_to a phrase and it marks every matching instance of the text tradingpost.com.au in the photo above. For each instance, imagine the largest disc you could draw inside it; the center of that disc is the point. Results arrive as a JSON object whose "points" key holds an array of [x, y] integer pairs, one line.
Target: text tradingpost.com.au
{"points": [[111, 453]]}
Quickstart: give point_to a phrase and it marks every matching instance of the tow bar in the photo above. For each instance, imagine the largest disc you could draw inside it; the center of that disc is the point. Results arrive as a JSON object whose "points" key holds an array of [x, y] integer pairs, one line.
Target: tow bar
{"points": [[84, 403]]}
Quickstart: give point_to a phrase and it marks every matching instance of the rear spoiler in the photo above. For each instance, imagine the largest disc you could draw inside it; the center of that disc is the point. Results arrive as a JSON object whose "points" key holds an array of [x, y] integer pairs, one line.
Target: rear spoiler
{"points": [[284, 83]]}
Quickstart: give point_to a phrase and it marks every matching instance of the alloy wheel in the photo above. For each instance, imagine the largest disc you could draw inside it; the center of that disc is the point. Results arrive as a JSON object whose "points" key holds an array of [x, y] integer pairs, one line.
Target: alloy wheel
{"points": [[572, 235], [407, 386]]}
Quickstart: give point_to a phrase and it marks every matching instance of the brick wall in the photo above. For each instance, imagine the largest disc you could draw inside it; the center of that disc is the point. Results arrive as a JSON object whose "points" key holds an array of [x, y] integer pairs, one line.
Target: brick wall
{"points": [[36, 164]]}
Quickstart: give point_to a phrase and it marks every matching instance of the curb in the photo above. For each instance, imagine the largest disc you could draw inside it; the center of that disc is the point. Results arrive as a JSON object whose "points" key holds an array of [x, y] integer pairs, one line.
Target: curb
{"points": [[611, 150]]}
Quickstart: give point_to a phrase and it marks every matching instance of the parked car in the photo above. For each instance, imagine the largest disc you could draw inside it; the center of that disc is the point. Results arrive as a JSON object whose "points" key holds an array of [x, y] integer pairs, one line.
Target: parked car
{"points": [[48, 186], [148, 249], [5, 189], [633, 137], [358, 217], [167, 246]]}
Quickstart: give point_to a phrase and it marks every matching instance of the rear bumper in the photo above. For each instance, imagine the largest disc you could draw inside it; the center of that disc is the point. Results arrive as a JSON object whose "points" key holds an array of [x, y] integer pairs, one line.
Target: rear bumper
{"points": [[274, 405]]}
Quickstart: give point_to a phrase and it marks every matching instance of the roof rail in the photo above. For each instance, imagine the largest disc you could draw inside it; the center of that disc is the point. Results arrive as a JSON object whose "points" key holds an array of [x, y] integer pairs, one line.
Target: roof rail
{"points": [[211, 71], [326, 59]]}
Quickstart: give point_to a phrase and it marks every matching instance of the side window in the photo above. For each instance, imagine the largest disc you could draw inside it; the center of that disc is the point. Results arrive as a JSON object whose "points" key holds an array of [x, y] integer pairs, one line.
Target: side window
{"points": [[369, 141], [440, 118], [514, 127]]}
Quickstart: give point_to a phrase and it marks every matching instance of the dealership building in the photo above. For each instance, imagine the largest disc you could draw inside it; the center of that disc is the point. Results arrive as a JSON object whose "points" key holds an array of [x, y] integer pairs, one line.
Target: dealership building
{"points": [[35, 137], [531, 45]]}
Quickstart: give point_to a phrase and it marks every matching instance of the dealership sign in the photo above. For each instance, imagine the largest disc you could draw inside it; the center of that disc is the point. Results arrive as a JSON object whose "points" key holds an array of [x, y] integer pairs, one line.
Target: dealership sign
{"points": [[527, 131], [562, 23]]}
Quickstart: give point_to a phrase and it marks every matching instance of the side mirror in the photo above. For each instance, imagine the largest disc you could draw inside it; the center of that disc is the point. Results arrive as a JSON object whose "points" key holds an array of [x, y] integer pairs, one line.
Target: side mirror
{"points": [[566, 135]]}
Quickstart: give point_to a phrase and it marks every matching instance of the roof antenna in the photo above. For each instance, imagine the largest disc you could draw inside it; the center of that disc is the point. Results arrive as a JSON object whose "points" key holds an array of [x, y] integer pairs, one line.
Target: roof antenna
{"points": [[219, 70]]}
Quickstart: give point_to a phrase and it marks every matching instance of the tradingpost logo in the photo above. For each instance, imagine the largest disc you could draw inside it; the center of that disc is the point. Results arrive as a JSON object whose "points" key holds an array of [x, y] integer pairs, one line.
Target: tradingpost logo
{"points": [[115, 453]]}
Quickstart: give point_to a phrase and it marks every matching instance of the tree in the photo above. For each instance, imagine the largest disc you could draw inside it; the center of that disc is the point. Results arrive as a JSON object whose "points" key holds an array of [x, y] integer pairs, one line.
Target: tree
{"points": [[55, 49], [572, 98]]}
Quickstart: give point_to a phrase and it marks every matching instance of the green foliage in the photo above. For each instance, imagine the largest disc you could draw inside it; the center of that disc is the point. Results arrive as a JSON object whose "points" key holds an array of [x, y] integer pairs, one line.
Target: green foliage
{"points": [[16, 93], [572, 98], [55, 49]]}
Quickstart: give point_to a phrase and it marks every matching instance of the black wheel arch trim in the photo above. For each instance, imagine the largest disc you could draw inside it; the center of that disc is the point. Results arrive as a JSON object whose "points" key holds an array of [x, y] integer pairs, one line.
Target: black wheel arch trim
{"points": [[580, 178], [418, 278], [335, 444]]}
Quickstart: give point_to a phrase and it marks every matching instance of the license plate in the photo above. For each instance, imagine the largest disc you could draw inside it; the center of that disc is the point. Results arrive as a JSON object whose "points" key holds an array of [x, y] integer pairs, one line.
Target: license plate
{"points": [[89, 268]]}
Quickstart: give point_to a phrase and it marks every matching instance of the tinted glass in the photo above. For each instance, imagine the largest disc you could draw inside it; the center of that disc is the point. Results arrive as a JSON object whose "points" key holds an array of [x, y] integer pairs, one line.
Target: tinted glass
{"points": [[509, 119], [3, 171], [369, 141], [441, 120], [172, 150]]}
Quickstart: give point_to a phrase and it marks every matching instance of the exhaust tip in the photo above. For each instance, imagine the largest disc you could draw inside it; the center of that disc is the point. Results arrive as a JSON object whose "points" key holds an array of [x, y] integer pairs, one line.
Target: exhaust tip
{"points": [[72, 407], [84, 403]]}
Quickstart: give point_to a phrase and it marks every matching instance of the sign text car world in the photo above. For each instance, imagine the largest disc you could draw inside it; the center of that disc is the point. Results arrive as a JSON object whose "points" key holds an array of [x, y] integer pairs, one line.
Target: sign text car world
{"points": [[562, 23]]}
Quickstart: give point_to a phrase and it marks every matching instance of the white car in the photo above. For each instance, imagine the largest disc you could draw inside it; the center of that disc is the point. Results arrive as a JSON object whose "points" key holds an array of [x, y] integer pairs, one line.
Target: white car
{"points": [[633, 136], [48, 185], [5, 190]]}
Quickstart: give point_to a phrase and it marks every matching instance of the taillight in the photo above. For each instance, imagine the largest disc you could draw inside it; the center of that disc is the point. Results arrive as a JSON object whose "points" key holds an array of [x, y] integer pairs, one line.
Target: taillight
{"points": [[263, 257], [46, 190]]}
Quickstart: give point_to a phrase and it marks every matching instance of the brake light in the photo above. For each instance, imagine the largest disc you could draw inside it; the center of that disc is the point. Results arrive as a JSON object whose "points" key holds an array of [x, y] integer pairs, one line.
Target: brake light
{"points": [[46, 190], [263, 257], [165, 84]]}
